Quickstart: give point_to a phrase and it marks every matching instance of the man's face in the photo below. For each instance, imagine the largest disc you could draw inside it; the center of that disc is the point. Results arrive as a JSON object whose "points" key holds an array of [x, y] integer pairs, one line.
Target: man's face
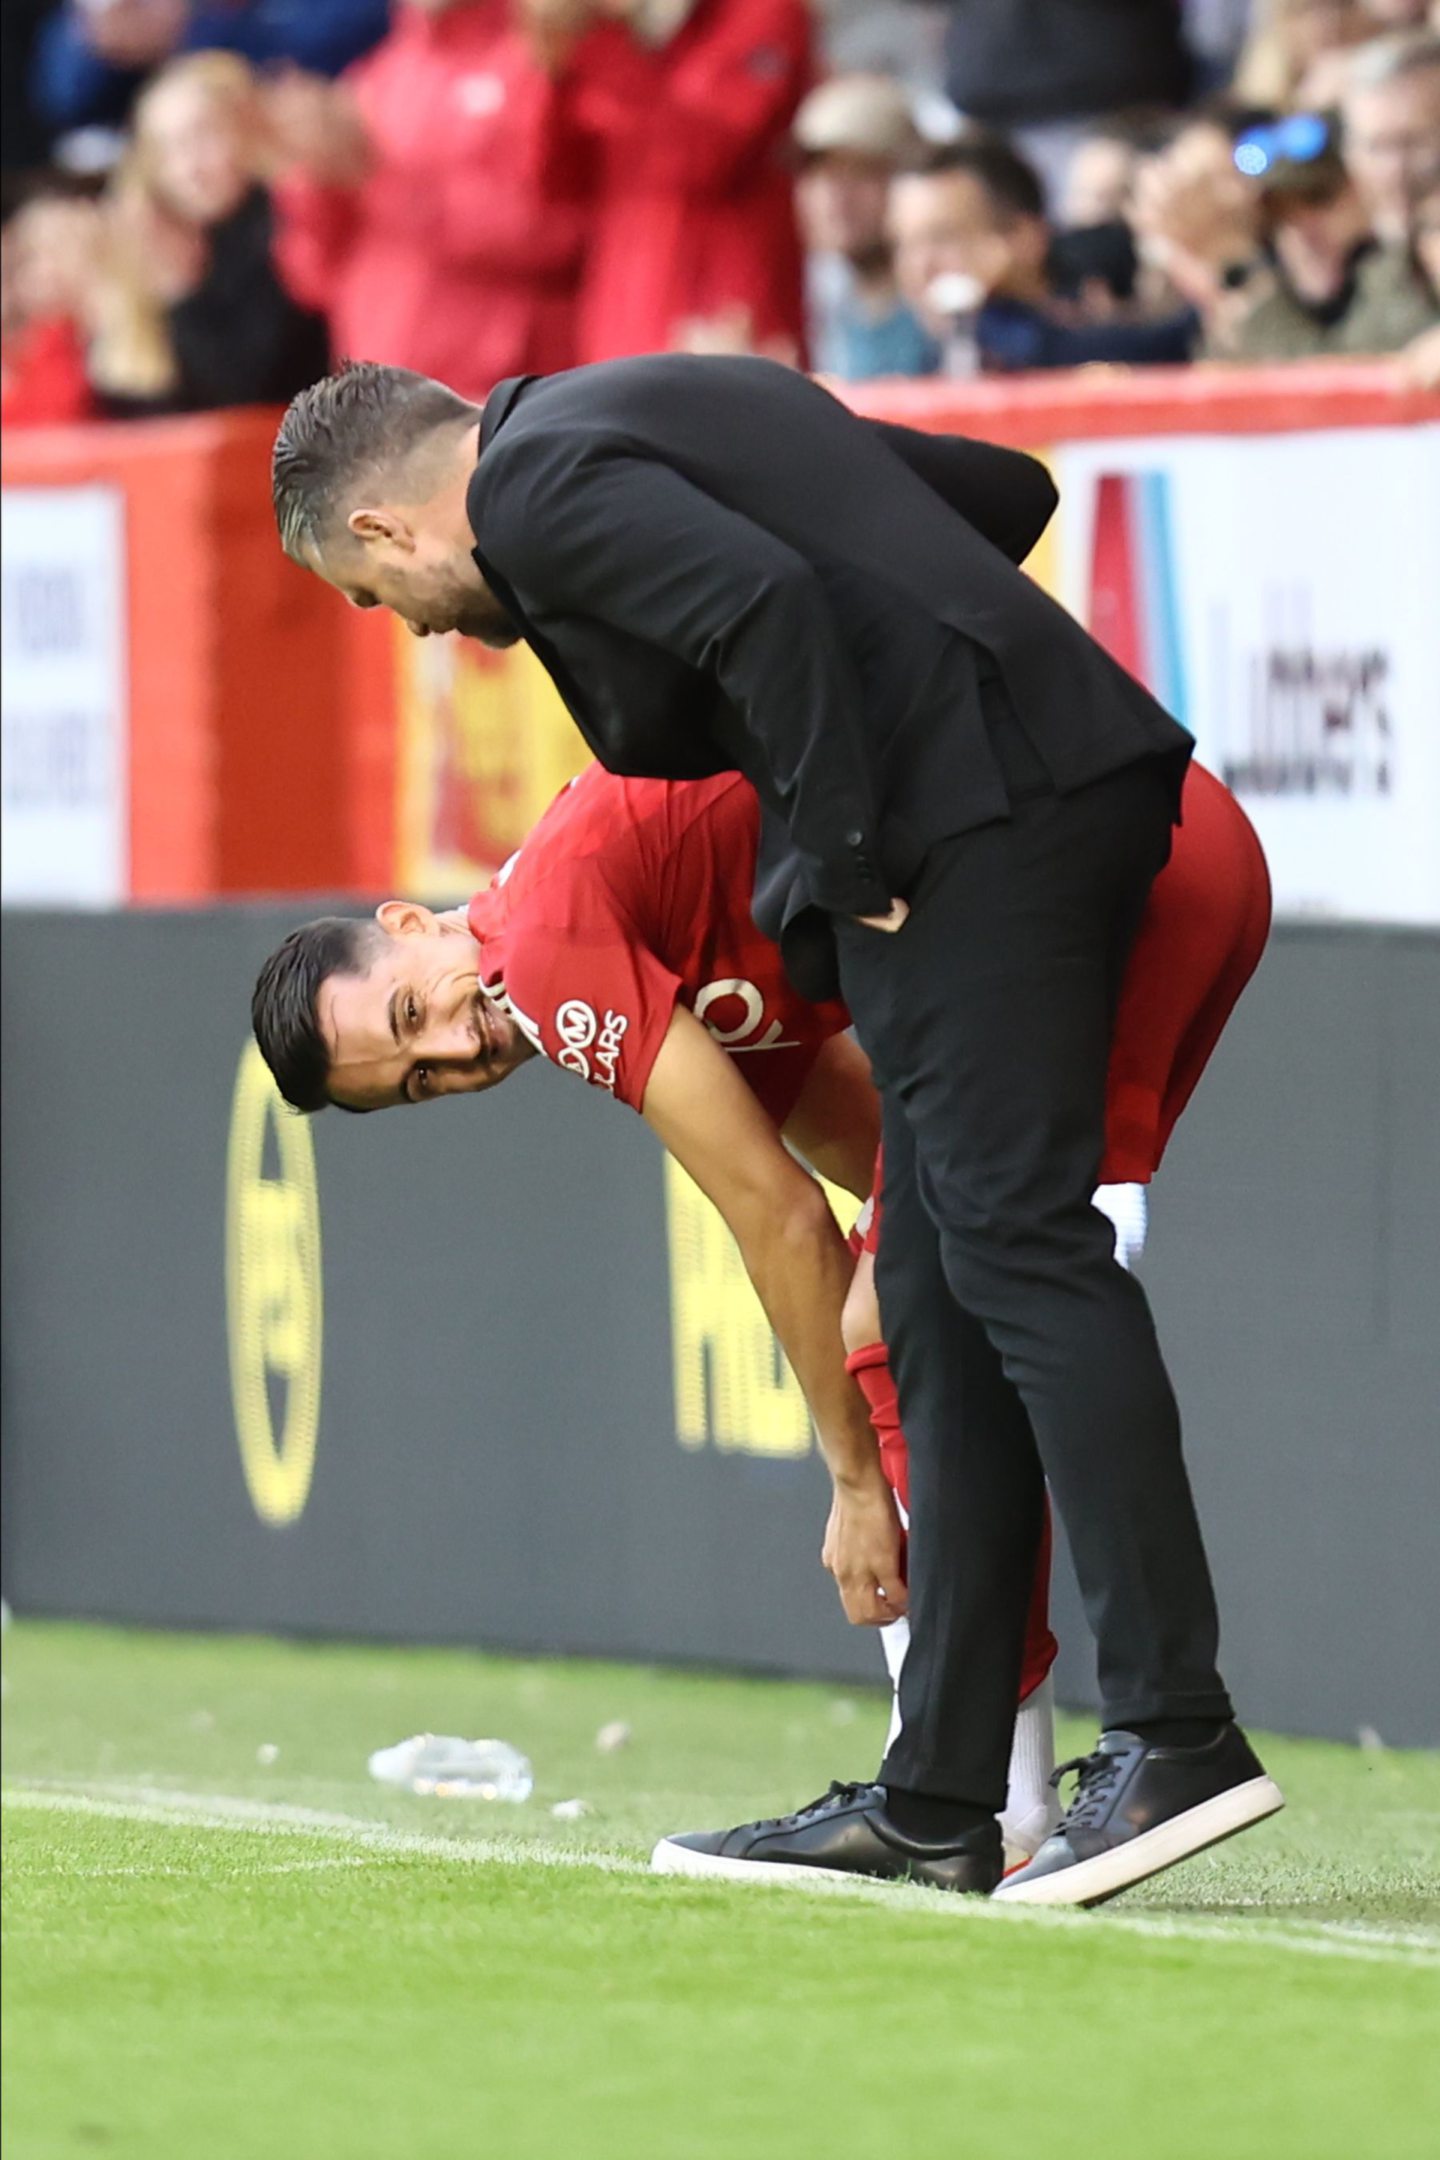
{"points": [[390, 559], [1392, 147], [417, 1025], [842, 198], [941, 224]]}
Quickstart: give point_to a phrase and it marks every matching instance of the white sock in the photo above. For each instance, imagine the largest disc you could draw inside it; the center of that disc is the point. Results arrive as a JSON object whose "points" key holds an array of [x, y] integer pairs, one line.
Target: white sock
{"points": [[1032, 1808], [1128, 1210], [894, 1641]]}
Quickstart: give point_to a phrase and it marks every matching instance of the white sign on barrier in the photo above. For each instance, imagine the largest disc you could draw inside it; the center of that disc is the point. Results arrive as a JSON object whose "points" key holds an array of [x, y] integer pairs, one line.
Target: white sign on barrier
{"points": [[62, 648], [1281, 594]]}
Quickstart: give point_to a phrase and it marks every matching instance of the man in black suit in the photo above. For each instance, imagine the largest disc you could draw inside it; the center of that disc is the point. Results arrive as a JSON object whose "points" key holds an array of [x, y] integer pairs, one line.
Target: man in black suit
{"points": [[967, 801]]}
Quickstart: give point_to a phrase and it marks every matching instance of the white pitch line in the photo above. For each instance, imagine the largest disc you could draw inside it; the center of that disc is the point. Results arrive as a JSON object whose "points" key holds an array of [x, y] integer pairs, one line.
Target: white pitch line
{"points": [[324, 1865], [264, 1818], [162, 1807]]}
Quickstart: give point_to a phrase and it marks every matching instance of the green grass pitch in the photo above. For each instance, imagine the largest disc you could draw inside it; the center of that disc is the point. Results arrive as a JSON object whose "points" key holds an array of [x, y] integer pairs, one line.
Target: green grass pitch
{"points": [[214, 1956]]}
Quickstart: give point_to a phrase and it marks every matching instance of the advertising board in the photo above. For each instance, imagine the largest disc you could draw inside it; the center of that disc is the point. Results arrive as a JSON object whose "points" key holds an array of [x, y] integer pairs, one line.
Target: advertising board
{"points": [[1243, 578], [492, 1374], [62, 656]]}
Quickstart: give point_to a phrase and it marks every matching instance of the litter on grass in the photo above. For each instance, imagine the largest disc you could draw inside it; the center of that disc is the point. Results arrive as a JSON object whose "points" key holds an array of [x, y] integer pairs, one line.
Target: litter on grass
{"points": [[444, 1767]]}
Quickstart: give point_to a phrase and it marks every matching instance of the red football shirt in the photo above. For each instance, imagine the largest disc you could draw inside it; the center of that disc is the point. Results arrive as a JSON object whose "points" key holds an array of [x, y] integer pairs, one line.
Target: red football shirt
{"points": [[628, 898]]}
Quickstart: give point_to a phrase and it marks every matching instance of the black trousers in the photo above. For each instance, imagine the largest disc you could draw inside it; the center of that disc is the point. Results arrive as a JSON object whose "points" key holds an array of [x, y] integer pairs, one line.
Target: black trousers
{"points": [[1021, 1349]]}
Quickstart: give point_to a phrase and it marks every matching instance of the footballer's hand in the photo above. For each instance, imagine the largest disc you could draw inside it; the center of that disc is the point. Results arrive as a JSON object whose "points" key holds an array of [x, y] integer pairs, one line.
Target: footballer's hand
{"points": [[863, 1550], [897, 918]]}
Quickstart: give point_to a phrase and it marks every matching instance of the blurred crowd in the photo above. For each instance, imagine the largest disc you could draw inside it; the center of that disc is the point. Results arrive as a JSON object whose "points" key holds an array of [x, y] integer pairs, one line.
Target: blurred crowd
{"points": [[205, 200]]}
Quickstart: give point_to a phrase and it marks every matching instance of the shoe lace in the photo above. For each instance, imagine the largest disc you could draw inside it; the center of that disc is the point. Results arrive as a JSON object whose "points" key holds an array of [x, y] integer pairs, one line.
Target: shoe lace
{"points": [[1096, 1777], [839, 1794]]}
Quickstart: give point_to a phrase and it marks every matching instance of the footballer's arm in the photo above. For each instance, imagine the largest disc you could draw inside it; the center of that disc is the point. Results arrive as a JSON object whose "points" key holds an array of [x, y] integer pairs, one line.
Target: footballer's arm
{"points": [[703, 1113]]}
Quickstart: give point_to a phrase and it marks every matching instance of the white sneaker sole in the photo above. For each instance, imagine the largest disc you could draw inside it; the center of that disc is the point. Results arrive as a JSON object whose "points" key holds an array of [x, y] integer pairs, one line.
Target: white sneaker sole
{"points": [[1090, 1882], [672, 1858]]}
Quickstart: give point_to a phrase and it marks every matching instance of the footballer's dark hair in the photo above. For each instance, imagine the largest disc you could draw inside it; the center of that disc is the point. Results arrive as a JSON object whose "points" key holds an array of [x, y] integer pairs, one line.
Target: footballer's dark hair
{"points": [[363, 423], [1012, 186], [283, 1011]]}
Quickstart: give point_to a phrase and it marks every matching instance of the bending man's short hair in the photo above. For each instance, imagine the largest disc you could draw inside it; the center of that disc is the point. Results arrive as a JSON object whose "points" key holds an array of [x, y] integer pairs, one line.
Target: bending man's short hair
{"points": [[361, 423], [284, 1010]]}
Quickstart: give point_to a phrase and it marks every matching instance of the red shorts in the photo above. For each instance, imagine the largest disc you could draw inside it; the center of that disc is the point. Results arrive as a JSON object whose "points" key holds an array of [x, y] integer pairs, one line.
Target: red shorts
{"points": [[1199, 942]]}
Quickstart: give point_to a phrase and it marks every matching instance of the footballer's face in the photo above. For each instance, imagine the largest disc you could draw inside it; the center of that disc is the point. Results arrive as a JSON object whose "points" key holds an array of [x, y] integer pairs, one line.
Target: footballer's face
{"points": [[417, 1025]]}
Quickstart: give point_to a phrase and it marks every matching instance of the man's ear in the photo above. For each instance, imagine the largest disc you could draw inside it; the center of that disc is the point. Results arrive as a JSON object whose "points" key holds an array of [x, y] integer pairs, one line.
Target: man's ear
{"points": [[388, 525], [404, 918]]}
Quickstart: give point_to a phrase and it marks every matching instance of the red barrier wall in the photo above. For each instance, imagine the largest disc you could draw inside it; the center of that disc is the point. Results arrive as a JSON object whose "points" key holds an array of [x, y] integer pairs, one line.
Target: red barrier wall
{"points": [[1031, 411], [240, 741]]}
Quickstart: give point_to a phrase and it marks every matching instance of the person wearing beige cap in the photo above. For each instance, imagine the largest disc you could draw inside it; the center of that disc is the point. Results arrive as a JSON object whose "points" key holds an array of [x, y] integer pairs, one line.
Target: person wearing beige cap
{"points": [[852, 135]]}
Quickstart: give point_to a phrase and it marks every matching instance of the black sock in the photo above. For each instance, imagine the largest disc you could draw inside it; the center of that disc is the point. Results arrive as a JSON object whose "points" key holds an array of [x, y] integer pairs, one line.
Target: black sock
{"points": [[1178, 1732], [931, 1820]]}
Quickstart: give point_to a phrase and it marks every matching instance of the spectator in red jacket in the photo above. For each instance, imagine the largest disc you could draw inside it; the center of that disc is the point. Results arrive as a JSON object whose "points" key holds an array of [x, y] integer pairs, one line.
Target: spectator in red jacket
{"points": [[687, 105], [47, 260], [427, 209]]}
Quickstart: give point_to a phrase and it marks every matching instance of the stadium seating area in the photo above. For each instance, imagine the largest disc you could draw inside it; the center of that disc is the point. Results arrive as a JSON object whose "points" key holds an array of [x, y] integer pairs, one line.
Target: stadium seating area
{"points": [[203, 196]]}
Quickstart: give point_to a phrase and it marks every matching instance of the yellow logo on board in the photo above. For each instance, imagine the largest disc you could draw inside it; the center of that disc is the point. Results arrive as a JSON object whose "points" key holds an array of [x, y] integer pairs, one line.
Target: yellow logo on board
{"points": [[273, 1293], [733, 1386]]}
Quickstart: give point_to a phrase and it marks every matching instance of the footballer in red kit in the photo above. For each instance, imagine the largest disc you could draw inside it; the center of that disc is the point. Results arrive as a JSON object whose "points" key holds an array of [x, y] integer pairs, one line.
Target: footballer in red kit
{"points": [[618, 944], [631, 896]]}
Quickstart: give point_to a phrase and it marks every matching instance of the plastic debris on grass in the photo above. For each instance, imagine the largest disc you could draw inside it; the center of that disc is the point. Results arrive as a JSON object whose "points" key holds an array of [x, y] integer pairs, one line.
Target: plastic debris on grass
{"points": [[445, 1767]]}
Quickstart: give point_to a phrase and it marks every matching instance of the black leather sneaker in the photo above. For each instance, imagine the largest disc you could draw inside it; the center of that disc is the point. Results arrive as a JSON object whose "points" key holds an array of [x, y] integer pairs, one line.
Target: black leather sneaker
{"points": [[846, 1831], [1138, 1809]]}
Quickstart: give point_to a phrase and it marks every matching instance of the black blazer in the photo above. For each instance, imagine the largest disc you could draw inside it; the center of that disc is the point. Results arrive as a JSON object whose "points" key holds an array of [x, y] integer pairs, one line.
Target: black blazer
{"points": [[668, 533]]}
